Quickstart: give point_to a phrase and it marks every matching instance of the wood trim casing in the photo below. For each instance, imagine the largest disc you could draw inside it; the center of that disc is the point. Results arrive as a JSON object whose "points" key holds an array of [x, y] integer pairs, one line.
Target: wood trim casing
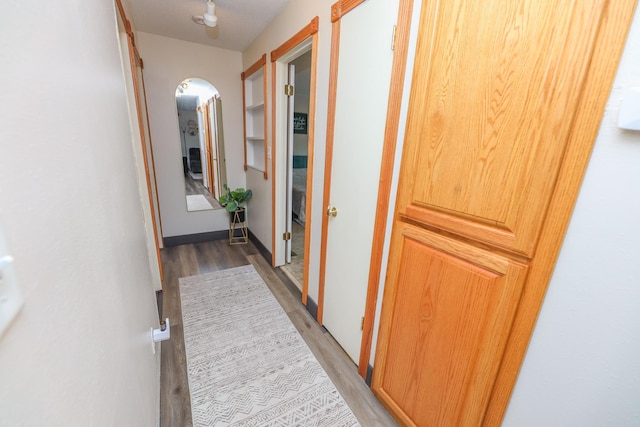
{"points": [[134, 59], [310, 30], [294, 41], [254, 67], [153, 160], [310, 159], [386, 173], [244, 121], [328, 160], [208, 108], [120, 7], [273, 163], [264, 117], [341, 8], [595, 92]]}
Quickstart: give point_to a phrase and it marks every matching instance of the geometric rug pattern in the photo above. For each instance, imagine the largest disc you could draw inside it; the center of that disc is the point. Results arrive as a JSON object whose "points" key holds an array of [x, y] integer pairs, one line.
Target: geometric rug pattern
{"points": [[247, 364]]}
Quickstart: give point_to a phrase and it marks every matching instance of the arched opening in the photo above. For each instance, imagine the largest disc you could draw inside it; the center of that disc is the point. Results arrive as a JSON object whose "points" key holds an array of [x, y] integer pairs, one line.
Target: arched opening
{"points": [[199, 109]]}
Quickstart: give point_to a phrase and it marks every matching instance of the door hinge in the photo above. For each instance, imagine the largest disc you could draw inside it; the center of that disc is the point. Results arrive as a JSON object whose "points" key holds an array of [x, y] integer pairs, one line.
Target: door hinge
{"points": [[288, 90], [393, 38], [286, 236], [362, 324]]}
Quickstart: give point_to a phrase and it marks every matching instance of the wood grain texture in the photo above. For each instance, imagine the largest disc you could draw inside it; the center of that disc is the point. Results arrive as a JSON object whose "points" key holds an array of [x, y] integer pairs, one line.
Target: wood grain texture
{"points": [[255, 67], [296, 39], [493, 162], [602, 70], [141, 128], [342, 7], [309, 31], [186, 260], [244, 119], [452, 311], [265, 118], [153, 161], [490, 146], [273, 163], [386, 173], [328, 159], [208, 144]]}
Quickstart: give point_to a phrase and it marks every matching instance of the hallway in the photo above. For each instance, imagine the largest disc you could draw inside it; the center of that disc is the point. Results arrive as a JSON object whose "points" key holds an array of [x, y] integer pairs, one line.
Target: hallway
{"points": [[187, 260]]}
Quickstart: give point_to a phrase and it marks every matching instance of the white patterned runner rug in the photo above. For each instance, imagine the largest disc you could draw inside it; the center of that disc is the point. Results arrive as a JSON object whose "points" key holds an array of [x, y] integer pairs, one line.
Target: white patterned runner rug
{"points": [[247, 364], [197, 202]]}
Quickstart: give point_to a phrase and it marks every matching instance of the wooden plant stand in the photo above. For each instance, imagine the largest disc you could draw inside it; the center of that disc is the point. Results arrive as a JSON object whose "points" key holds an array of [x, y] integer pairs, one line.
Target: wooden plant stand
{"points": [[238, 221]]}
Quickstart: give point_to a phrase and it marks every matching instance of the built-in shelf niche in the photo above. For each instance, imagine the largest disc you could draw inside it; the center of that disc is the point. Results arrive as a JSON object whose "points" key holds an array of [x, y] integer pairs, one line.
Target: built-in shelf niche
{"points": [[254, 92]]}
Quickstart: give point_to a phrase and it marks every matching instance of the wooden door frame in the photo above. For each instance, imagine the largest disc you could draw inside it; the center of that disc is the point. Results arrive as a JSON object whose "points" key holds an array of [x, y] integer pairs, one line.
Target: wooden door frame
{"points": [[279, 58], [589, 112], [153, 160], [208, 145], [134, 61]]}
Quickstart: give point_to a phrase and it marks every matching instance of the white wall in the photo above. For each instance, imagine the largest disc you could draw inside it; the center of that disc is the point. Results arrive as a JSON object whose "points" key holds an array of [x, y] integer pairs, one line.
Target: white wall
{"points": [[583, 363], [167, 62], [190, 141], [79, 352], [293, 17]]}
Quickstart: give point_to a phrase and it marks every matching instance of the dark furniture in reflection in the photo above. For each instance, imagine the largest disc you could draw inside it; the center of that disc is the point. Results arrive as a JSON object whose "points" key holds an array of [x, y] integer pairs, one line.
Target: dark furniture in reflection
{"points": [[195, 164], [185, 165]]}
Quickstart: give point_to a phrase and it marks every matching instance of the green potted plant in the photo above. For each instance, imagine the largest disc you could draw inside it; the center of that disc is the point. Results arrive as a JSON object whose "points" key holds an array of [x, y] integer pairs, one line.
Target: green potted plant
{"points": [[232, 202]]}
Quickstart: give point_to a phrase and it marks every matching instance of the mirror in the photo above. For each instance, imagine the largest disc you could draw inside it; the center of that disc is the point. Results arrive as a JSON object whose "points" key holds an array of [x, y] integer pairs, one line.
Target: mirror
{"points": [[199, 108]]}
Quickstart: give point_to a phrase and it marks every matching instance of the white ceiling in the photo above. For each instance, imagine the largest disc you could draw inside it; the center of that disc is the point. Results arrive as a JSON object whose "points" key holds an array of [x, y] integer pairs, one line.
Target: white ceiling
{"points": [[239, 21]]}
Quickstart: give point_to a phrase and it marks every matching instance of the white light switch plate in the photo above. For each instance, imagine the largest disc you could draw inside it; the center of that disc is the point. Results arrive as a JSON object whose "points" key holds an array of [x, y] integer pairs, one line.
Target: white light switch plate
{"points": [[10, 296], [629, 114]]}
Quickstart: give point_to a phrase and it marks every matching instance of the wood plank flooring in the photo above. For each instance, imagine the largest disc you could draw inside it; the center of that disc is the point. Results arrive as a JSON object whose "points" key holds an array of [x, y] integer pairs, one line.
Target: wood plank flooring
{"points": [[195, 186], [189, 260]]}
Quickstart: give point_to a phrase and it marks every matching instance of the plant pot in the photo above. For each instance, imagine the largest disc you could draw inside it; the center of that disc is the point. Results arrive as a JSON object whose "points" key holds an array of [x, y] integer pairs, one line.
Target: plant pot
{"points": [[238, 216]]}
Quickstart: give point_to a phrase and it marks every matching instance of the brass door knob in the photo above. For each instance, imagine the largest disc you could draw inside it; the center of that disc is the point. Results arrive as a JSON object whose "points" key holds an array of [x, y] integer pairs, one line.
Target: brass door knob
{"points": [[332, 211]]}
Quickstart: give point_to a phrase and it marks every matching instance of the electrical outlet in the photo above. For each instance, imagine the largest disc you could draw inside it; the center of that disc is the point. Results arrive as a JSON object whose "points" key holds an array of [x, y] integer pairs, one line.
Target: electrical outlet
{"points": [[10, 295]]}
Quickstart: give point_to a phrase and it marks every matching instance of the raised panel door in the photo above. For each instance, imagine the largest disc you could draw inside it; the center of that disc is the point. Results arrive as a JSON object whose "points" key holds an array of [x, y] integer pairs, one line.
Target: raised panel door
{"points": [[453, 307], [495, 89], [504, 105]]}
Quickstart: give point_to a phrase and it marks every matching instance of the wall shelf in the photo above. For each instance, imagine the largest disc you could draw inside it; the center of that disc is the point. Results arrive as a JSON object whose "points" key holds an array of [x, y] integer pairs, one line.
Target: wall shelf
{"points": [[254, 107], [254, 92]]}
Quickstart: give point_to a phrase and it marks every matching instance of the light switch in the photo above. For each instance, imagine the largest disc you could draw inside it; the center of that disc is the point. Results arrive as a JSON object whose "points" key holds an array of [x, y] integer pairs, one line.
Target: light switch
{"points": [[629, 114], [10, 295]]}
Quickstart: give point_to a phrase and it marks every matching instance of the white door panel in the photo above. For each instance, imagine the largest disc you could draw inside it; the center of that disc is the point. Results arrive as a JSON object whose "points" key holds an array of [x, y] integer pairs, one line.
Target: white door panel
{"points": [[361, 106]]}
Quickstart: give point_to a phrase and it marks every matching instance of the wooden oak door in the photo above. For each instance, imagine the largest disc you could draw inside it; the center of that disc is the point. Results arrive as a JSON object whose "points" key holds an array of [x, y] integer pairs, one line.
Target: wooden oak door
{"points": [[505, 97]]}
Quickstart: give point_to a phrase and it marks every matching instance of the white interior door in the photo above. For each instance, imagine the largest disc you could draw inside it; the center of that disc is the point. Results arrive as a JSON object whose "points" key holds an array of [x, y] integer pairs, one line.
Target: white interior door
{"points": [[361, 105]]}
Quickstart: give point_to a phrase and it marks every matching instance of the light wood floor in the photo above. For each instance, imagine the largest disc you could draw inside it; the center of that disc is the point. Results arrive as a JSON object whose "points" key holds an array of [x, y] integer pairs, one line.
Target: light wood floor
{"points": [[188, 260]]}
